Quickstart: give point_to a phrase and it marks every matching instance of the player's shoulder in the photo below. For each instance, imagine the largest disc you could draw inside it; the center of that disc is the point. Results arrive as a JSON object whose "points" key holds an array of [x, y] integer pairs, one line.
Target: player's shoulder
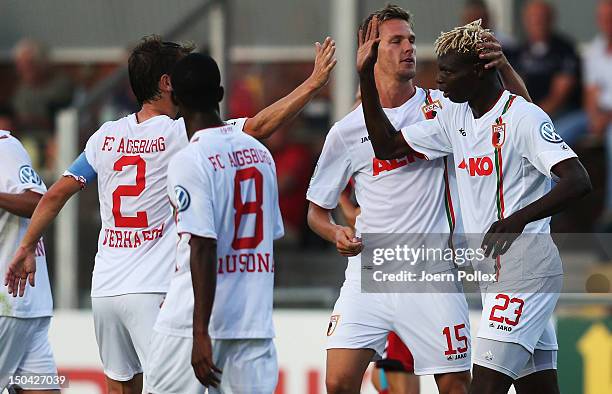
{"points": [[10, 144], [251, 142], [351, 123], [186, 157], [525, 110]]}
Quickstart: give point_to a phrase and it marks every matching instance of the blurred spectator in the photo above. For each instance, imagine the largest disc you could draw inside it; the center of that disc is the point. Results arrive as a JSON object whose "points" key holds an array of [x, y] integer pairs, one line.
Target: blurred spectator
{"points": [[294, 163], [477, 9], [598, 90], [7, 118], [41, 91], [550, 67], [121, 103]]}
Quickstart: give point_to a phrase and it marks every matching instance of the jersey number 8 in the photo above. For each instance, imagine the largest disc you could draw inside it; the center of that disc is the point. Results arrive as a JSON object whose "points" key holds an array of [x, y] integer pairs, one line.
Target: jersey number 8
{"points": [[248, 207]]}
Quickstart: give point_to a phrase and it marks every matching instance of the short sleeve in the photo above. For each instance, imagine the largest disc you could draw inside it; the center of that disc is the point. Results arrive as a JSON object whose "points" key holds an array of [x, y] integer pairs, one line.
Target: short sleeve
{"points": [[538, 141], [238, 122], [18, 175], [81, 170], [191, 192], [429, 138], [332, 172]]}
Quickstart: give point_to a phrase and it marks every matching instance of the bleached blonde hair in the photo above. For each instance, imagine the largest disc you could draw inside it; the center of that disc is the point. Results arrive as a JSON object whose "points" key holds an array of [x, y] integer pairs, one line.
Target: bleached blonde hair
{"points": [[462, 39]]}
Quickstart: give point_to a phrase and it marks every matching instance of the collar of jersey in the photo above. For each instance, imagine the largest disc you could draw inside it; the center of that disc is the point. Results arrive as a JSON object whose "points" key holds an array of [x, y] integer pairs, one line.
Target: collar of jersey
{"points": [[225, 129], [415, 97], [4, 133], [495, 108], [134, 119]]}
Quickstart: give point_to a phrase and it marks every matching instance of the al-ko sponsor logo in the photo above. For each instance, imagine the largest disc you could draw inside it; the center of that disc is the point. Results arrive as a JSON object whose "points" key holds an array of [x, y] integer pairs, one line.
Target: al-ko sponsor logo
{"points": [[477, 166]]}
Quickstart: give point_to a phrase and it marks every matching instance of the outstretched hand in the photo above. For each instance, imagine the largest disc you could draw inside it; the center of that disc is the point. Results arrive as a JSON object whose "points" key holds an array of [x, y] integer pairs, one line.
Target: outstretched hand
{"points": [[20, 271], [324, 62], [367, 51]]}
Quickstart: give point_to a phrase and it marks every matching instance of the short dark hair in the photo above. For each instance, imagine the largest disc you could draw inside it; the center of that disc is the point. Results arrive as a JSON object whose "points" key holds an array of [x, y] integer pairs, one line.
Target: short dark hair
{"points": [[390, 11], [149, 60], [196, 83]]}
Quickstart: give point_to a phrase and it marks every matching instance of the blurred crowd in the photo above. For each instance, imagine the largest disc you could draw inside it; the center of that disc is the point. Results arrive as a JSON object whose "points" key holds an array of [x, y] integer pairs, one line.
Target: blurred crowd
{"points": [[573, 85]]}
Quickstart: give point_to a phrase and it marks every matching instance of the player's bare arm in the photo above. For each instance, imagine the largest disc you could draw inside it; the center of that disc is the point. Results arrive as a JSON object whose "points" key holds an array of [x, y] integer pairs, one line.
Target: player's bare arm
{"points": [[321, 222], [573, 183], [491, 51], [350, 211], [20, 204], [204, 279], [386, 141], [23, 266], [278, 114]]}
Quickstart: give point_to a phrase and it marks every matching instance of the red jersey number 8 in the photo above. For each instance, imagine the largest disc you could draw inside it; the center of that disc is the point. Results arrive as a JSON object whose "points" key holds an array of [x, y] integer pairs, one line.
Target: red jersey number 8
{"points": [[248, 207]]}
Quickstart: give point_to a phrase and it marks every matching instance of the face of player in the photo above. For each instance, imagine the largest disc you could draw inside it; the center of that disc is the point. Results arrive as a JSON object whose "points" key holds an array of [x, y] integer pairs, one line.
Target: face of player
{"points": [[396, 51], [456, 77]]}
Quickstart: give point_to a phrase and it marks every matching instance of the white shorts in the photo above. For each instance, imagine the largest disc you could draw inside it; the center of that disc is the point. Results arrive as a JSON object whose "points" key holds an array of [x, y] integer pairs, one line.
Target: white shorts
{"points": [[521, 312], [434, 326], [25, 349], [123, 326], [249, 366], [513, 359]]}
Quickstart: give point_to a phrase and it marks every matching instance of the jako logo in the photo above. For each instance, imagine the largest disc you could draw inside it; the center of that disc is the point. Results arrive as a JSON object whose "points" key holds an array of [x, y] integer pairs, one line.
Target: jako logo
{"points": [[478, 166]]}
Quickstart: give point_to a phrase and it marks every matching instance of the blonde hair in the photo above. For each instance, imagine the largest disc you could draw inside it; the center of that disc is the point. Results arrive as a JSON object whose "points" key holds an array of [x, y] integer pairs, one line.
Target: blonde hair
{"points": [[462, 39]]}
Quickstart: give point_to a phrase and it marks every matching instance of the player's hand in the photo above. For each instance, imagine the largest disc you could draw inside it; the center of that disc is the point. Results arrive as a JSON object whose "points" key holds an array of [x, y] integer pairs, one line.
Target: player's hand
{"points": [[491, 51], [202, 362], [324, 63], [501, 235], [346, 242], [21, 270], [367, 50]]}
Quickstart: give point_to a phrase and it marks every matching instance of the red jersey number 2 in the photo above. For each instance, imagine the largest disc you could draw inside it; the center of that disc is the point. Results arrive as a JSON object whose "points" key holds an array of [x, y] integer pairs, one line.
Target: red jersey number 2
{"points": [[253, 207], [140, 220]]}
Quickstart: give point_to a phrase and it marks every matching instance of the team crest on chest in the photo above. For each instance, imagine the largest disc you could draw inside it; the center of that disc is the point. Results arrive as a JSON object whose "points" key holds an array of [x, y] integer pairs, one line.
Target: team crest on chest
{"points": [[333, 323], [498, 135], [429, 110]]}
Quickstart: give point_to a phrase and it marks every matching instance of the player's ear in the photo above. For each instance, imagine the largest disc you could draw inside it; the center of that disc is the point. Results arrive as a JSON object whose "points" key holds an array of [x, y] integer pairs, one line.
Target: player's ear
{"points": [[165, 83], [220, 93]]}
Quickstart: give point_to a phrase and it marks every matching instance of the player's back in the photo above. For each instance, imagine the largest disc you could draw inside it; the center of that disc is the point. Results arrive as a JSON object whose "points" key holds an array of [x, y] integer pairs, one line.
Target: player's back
{"points": [[224, 187], [136, 242]]}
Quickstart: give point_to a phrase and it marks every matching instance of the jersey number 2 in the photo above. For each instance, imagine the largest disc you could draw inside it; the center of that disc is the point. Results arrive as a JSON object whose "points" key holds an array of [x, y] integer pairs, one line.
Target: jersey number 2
{"points": [[140, 220], [248, 207]]}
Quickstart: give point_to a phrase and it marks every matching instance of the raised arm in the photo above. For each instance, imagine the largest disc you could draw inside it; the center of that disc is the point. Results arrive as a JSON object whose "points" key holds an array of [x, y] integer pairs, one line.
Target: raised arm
{"points": [[23, 266], [204, 279], [278, 114], [386, 141], [491, 51], [21, 204]]}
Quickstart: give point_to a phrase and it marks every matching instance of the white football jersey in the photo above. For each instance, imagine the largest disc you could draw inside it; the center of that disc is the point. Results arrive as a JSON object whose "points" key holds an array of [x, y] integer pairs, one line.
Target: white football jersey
{"points": [[18, 176], [223, 186], [137, 241], [407, 195], [503, 163]]}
